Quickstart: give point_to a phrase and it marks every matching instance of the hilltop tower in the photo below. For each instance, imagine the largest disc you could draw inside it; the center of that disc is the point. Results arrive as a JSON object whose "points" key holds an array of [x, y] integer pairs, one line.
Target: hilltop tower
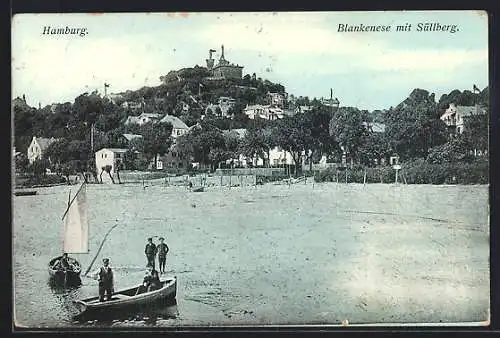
{"points": [[225, 69], [210, 61], [222, 60]]}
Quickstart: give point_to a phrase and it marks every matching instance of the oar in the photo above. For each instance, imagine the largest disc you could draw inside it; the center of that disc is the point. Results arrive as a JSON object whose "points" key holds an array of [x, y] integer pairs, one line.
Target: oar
{"points": [[99, 250]]}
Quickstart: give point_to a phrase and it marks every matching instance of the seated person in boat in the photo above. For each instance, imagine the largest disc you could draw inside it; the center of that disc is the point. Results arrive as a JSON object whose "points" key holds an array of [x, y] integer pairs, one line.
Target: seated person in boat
{"points": [[150, 282], [63, 263]]}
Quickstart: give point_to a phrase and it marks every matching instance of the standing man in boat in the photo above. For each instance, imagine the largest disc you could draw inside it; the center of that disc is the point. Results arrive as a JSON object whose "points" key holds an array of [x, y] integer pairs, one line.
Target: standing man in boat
{"points": [[162, 255], [151, 252], [105, 277]]}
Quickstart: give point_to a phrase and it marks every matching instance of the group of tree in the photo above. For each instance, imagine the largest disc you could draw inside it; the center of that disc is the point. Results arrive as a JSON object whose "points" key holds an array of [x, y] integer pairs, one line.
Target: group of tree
{"points": [[413, 129]]}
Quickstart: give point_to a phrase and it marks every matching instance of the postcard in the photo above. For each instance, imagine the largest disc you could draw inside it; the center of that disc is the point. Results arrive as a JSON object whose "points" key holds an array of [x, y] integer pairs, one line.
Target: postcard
{"points": [[214, 169]]}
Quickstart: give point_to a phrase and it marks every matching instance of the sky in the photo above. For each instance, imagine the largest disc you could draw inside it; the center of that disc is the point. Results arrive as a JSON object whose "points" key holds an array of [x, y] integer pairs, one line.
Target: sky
{"points": [[304, 51]]}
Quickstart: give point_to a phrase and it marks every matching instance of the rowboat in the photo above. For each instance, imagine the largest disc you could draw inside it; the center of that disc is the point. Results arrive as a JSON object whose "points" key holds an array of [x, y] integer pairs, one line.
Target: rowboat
{"points": [[127, 299], [198, 189], [70, 276], [25, 192]]}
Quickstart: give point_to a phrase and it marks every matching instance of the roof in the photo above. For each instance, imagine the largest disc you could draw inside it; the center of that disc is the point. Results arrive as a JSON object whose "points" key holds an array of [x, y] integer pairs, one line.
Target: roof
{"points": [[375, 127], [114, 150], [132, 119], [43, 142], [256, 106], [469, 110], [151, 115], [131, 137], [240, 132], [174, 121], [463, 110]]}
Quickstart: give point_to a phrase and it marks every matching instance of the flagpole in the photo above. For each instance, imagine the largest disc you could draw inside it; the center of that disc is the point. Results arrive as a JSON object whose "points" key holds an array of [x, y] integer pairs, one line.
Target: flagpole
{"points": [[74, 197]]}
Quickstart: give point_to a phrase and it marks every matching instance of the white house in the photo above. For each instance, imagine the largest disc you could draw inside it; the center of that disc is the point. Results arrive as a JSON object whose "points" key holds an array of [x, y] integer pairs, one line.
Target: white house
{"points": [[37, 147], [225, 103], [179, 128], [276, 99], [454, 116], [143, 118], [277, 157], [108, 156], [264, 112], [303, 109]]}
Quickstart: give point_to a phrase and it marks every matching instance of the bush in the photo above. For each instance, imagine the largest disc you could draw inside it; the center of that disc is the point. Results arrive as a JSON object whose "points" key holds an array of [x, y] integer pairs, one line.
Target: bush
{"points": [[416, 172]]}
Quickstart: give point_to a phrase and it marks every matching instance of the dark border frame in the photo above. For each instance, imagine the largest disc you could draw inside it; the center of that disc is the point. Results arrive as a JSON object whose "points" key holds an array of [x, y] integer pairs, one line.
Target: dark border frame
{"points": [[55, 6]]}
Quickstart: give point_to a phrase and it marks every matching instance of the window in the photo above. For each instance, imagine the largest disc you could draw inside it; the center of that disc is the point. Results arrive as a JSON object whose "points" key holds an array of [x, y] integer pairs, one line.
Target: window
{"points": [[105, 155], [102, 155], [118, 155]]}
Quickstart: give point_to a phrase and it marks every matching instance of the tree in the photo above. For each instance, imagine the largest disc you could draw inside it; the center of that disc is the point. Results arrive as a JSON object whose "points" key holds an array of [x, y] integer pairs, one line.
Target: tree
{"points": [[118, 166], [38, 168], [107, 168], [375, 147], [21, 162], [455, 150], [129, 158], [414, 127], [476, 131], [253, 144], [292, 137], [321, 141], [156, 139], [348, 129]]}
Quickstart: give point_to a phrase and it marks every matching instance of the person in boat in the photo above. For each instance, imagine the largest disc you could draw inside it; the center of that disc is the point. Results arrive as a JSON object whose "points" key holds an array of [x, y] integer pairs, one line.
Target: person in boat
{"points": [[162, 255], [105, 277], [63, 263], [151, 280], [150, 252]]}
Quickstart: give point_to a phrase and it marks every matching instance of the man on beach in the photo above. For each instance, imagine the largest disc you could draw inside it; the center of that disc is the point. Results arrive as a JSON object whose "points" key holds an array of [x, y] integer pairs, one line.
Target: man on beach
{"points": [[150, 252], [105, 277], [162, 254]]}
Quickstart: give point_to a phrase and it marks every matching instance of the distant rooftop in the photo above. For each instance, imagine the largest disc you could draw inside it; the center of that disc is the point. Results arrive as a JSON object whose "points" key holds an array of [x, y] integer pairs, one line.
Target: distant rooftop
{"points": [[176, 122]]}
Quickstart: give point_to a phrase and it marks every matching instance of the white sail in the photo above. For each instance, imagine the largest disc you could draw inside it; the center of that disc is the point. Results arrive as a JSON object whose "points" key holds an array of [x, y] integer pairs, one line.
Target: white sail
{"points": [[76, 228]]}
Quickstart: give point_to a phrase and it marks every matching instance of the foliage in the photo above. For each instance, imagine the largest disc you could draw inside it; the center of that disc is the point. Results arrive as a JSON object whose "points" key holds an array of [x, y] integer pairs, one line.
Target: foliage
{"points": [[476, 131], [21, 162], [38, 168], [321, 141], [414, 172], [156, 139], [455, 150], [413, 127], [348, 129]]}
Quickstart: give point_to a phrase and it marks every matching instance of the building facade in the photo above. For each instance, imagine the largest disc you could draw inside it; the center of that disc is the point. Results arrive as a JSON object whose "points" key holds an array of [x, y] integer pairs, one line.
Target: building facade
{"points": [[111, 157], [223, 69], [455, 116], [264, 112], [143, 118], [179, 128], [37, 148]]}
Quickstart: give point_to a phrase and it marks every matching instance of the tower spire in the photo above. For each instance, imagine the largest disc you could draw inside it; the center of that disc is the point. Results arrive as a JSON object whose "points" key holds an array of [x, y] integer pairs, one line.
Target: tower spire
{"points": [[222, 55]]}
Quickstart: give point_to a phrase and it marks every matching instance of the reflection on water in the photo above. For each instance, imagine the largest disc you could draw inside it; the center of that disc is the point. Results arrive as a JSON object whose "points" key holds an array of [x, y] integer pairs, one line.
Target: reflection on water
{"points": [[59, 284]]}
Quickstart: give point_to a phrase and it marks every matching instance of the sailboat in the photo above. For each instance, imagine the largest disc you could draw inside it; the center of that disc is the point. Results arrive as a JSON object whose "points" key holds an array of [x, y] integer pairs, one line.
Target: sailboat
{"points": [[74, 239]]}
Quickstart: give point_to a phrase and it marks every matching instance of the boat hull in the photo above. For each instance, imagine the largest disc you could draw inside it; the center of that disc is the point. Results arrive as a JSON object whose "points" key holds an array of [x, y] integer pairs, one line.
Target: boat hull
{"points": [[68, 277], [25, 192], [124, 300]]}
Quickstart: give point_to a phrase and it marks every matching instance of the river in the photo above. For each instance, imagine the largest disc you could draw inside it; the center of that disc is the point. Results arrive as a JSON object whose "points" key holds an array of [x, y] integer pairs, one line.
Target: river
{"points": [[271, 254]]}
